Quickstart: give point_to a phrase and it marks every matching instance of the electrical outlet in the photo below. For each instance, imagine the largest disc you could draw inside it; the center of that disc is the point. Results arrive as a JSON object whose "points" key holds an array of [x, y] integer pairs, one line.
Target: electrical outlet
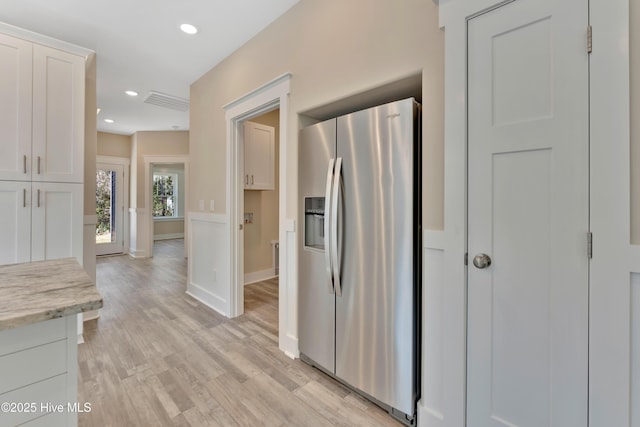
{"points": [[201, 205], [212, 205]]}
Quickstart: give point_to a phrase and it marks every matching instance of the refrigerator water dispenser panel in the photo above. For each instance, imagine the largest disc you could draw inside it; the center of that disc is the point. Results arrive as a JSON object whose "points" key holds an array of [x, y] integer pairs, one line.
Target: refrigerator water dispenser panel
{"points": [[314, 223]]}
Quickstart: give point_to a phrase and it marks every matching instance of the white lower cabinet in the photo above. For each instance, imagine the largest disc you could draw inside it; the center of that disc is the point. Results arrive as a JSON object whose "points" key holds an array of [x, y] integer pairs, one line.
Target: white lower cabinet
{"points": [[41, 220], [56, 221], [15, 227], [38, 364]]}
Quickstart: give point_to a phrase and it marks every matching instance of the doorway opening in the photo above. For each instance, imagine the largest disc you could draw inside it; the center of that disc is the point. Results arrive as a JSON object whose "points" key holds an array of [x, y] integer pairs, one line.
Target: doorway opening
{"points": [[268, 97], [112, 198], [261, 216], [166, 191]]}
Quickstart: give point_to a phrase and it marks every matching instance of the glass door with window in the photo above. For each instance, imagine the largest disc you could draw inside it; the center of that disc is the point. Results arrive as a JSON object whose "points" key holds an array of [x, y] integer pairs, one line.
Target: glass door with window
{"points": [[109, 209]]}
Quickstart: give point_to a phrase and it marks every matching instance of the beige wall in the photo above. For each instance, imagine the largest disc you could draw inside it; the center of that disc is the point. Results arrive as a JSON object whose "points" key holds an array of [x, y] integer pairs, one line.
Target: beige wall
{"points": [[634, 27], [163, 228], [90, 137], [264, 206], [333, 49], [90, 147], [111, 144], [160, 143]]}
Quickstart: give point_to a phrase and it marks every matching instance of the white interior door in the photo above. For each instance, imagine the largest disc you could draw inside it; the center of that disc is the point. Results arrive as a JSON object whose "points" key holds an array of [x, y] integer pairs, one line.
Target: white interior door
{"points": [[528, 194], [109, 208]]}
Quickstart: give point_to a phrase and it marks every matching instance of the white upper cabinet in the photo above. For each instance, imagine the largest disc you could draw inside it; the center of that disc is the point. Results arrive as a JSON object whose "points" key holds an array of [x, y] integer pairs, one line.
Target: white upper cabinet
{"points": [[58, 116], [41, 113], [259, 156], [15, 108]]}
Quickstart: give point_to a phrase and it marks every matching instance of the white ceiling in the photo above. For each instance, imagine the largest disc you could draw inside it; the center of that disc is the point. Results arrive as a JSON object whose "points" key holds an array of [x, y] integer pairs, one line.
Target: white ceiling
{"points": [[140, 47]]}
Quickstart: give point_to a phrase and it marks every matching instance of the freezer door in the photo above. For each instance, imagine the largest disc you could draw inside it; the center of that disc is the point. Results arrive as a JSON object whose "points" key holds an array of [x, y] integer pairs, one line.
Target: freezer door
{"points": [[316, 300], [375, 315]]}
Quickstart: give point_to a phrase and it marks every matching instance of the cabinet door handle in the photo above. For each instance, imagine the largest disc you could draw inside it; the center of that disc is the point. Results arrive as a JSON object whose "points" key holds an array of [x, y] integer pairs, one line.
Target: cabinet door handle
{"points": [[251, 179], [24, 163], [38, 197], [246, 180], [24, 197], [38, 165]]}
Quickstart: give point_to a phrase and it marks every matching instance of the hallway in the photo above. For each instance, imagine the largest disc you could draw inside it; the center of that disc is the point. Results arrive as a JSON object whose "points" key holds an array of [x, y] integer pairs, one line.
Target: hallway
{"points": [[158, 357]]}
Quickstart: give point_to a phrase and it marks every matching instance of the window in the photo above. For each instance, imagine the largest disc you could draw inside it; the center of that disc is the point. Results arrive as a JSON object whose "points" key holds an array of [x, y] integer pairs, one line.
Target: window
{"points": [[165, 188]]}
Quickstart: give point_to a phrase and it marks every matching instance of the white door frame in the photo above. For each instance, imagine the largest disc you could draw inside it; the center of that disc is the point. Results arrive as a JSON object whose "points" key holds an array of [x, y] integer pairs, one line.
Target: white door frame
{"points": [[268, 97], [149, 161], [125, 163]]}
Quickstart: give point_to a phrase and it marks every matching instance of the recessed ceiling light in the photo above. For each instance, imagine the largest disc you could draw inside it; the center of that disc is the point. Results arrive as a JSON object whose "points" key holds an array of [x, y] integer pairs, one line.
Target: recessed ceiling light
{"points": [[188, 28], [109, 120], [131, 92]]}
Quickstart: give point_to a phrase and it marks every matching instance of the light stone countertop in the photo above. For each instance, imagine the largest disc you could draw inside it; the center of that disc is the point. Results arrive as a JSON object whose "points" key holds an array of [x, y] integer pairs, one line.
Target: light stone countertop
{"points": [[37, 291]]}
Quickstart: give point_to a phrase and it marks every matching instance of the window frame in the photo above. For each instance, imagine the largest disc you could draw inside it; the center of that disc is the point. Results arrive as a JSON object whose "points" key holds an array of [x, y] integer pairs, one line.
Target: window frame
{"points": [[174, 196]]}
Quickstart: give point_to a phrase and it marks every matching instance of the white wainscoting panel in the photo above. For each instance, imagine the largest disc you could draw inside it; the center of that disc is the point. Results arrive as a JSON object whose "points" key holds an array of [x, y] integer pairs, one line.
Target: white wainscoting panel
{"points": [[209, 260], [431, 406], [139, 230], [289, 293], [433, 326], [635, 349]]}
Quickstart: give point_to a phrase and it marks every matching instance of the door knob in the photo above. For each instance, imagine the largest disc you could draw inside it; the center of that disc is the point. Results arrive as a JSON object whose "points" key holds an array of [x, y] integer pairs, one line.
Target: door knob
{"points": [[482, 261]]}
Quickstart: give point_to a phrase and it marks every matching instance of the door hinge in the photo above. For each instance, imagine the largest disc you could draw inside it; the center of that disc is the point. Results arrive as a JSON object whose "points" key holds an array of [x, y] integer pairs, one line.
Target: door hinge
{"points": [[589, 245], [589, 39], [466, 258]]}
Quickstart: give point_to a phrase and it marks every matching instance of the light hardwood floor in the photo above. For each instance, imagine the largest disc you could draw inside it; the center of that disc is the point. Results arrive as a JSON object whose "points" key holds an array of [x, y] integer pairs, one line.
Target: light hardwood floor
{"points": [[157, 357]]}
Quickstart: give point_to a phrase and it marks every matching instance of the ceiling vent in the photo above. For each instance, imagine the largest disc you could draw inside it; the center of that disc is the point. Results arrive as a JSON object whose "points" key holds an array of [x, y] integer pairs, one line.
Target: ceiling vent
{"points": [[167, 101]]}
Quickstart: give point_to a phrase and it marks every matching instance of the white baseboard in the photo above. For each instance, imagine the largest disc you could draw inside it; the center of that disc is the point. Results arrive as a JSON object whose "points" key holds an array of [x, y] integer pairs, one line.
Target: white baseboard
{"points": [[168, 236], [259, 276], [289, 345], [207, 298], [138, 253]]}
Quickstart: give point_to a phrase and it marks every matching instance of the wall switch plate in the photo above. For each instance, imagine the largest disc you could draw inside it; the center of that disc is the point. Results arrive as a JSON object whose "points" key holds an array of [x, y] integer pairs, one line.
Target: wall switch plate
{"points": [[212, 205], [201, 205]]}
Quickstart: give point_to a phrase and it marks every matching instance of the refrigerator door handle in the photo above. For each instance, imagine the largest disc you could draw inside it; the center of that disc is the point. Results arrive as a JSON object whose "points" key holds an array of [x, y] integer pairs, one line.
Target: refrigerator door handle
{"points": [[334, 225], [327, 228]]}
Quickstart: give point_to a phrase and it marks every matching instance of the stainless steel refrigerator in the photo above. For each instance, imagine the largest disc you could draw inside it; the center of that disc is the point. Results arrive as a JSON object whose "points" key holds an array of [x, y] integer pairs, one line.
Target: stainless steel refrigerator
{"points": [[360, 257]]}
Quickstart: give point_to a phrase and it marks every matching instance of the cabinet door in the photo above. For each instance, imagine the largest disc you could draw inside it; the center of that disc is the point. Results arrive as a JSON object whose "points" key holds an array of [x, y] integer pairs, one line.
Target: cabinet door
{"points": [[57, 221], [58, 116], [259, 156], [15, 109], [15, 226]]}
